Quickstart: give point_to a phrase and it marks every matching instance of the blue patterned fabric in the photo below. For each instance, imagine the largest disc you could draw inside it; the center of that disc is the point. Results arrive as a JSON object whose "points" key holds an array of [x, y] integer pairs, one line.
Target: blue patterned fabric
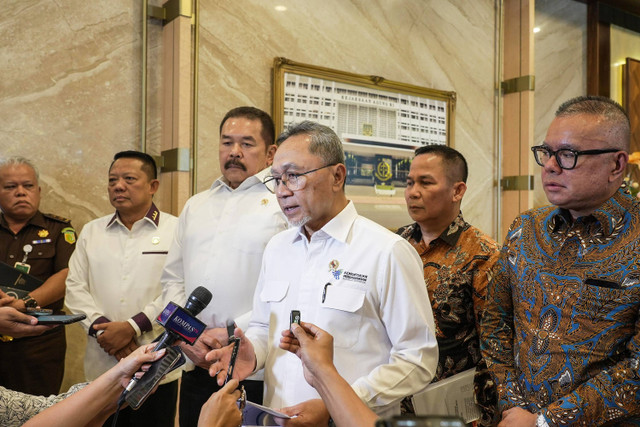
{"points": [[561, 330]]}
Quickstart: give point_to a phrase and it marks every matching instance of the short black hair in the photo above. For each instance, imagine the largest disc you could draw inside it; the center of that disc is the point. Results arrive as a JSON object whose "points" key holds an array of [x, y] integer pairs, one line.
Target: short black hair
{"points": [[455, 161], [595, 105], [591, 104], [148, 164], [252, 113]]}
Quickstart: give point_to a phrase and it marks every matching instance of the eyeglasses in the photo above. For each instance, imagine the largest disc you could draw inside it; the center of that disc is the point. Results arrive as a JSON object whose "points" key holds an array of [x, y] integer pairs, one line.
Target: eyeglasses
{"points": [[566, 157], [293, 181]]}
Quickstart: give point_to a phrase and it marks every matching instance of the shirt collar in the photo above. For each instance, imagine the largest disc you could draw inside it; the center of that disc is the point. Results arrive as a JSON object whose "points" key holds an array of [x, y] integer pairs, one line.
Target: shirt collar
{"points": [[37, 220], [453, 232], [152, 216], [450, 235], [247, 183], [608, 215], [337, 228]]}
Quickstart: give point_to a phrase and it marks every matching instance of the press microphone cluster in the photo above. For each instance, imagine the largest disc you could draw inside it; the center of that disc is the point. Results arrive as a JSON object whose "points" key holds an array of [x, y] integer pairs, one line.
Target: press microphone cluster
{"points": [[180, 324]]}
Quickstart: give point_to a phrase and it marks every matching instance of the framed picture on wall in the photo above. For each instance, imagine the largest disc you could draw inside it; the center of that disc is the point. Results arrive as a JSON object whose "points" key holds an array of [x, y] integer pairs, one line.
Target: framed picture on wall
{"points": [[380, 122]]}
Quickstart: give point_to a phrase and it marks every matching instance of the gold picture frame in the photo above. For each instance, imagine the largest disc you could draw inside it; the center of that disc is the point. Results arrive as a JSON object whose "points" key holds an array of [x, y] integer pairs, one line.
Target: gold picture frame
{"points": [[380, 122]]}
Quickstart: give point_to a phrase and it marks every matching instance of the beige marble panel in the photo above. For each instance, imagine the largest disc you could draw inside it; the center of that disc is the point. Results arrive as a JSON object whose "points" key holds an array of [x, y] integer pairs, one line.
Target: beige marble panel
{"points": [[446, 45], [560, 66], [70, 95]]}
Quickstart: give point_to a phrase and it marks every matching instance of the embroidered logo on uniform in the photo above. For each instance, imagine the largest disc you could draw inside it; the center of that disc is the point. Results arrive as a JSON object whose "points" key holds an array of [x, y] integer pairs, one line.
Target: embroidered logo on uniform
{"points": [[264, 202], [333, 269], [69, 235], [43, 233]]}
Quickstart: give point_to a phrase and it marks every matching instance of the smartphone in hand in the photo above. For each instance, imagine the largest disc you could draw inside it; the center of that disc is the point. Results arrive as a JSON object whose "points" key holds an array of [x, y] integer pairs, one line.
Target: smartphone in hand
{"points": [[58, 319]]}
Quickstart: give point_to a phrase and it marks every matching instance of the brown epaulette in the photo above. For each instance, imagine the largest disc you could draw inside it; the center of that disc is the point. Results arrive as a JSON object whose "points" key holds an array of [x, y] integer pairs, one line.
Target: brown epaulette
{"points": [[57, 218]]}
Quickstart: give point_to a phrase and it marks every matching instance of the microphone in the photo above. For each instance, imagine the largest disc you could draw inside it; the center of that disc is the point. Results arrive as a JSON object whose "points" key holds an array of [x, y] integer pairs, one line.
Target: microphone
{"points": [[180, 324]]}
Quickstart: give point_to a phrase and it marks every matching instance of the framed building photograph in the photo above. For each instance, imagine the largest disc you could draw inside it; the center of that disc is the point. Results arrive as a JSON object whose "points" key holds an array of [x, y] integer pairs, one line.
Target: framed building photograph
{"points": [[380, 122]]}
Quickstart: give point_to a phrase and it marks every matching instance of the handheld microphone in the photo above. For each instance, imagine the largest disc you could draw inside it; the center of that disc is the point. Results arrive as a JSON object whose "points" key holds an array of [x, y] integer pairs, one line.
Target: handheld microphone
{"points": [[180, 324]]}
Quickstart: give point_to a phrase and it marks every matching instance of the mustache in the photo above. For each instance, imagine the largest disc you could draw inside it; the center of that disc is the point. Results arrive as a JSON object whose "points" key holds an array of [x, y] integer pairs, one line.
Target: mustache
{"points": [[235, 162]]}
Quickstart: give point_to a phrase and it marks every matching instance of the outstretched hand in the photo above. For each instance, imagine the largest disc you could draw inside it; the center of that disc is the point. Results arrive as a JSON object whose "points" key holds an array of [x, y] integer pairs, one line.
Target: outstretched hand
{"points": [[18, 324], [245, 361], [305, 414], [314, 346], [136, 363], [211, 339], [221, 410]]}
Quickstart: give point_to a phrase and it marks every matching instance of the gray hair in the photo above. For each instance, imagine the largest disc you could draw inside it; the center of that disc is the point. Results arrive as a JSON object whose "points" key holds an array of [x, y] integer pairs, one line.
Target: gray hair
{"points": [[19, 160], [612, 112], [324, 141]]}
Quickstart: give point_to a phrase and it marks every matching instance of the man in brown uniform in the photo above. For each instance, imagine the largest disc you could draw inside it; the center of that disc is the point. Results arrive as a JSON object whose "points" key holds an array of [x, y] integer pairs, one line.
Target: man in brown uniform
{"points": [[43, 243]]}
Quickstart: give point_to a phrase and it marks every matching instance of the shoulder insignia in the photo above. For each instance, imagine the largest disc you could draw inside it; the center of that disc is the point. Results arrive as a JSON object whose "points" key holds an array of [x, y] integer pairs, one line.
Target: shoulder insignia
{"points": [[56, 217], [69, 235]]}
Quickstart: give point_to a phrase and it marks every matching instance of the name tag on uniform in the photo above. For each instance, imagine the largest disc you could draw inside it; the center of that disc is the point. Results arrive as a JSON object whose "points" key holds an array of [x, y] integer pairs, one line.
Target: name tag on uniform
{"points": [[21, 266]]}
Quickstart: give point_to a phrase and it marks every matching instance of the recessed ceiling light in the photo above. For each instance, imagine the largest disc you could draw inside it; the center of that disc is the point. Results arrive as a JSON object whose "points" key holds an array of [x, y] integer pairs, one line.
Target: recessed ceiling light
{"points": [[281, 8], [536, 29]]}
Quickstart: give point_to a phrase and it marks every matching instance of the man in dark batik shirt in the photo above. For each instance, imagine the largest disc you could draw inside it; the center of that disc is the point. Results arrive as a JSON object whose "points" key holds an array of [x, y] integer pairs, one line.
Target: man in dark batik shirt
{"points": [[457, 259], [561, 332]]}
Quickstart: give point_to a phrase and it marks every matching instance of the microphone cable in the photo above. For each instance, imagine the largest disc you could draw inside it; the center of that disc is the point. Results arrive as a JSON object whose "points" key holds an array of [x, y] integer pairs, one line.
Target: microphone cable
{"points": [[121, 399]]}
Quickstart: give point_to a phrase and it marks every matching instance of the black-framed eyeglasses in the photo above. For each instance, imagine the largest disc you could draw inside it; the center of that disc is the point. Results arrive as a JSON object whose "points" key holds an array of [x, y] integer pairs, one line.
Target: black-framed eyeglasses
{"points": [[293, 181], [566, 157]]}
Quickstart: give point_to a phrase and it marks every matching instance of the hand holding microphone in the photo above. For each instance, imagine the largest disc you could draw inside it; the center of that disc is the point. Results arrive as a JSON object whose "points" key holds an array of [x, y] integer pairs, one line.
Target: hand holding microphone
{"points": [[180, 325]]}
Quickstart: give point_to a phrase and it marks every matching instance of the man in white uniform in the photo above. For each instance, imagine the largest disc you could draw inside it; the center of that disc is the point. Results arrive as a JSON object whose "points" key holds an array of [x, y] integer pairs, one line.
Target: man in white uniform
{"points": [[114, 279], [348, 275], [222, 233]]}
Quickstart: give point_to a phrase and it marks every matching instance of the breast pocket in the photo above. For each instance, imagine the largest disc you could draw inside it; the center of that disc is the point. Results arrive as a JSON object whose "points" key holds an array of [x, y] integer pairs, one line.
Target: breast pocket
{"points": [[273, 293], [42, 252], [342, 314], [602, 301]]}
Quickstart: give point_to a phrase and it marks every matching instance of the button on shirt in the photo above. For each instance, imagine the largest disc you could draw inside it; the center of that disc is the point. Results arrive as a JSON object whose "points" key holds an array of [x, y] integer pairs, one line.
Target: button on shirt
{"points": [[221, 235], [114, 275], [375, 305]]}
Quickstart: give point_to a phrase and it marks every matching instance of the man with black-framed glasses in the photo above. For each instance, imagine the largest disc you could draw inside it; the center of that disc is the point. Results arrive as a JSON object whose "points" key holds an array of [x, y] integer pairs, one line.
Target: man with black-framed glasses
{"points": [[560, 332], [350, 276]]}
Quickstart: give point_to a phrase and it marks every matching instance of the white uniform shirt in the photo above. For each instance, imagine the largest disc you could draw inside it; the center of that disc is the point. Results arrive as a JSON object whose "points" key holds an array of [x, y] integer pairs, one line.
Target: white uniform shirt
{"points": [[376, 307], [219, 243], [115, 273]]}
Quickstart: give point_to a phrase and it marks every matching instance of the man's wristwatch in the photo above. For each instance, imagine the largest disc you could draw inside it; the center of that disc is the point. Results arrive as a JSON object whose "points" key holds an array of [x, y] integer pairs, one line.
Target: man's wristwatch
{"points": [[29, 301], [541, 421]]}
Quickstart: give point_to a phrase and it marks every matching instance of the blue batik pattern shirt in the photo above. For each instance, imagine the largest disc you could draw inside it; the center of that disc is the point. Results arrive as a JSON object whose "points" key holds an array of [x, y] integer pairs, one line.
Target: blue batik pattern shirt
{"points": [[561, 330]]}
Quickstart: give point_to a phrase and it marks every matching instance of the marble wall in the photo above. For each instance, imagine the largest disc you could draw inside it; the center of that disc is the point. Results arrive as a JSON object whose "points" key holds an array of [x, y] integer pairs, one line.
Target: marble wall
{"points": [[70, 95], [447, 45], [560, 66]]}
